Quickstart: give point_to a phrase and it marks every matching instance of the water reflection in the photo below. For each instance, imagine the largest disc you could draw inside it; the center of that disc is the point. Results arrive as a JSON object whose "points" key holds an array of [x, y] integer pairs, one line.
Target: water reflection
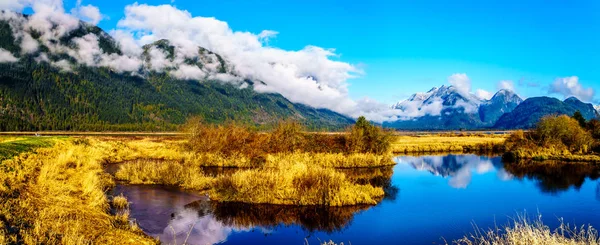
{"points": [[555, 177], [458, 168], [206, 222], [379, 177]]}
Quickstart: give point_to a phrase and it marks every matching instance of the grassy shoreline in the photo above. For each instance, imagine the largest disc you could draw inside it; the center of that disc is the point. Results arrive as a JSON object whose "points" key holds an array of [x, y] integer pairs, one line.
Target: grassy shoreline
{"points": [[450, 143], [58, 195]]}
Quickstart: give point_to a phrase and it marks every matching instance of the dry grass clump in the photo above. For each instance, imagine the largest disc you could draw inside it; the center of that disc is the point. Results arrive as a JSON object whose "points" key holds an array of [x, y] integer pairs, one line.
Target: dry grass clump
{"points": [[525, 232], [120, 202], [293, 184], [57, 196], [164, 172]]}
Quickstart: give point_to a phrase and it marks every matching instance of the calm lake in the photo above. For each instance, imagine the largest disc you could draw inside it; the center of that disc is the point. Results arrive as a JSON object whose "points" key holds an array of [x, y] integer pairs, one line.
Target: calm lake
{"points": [[429, 200]]}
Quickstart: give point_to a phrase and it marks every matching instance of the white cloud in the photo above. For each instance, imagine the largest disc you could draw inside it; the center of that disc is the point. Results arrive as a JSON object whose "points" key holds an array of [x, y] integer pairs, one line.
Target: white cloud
{"points": [[507, 85], [62, 64], [570, 86], [6, 56], [89, 13], [461, 82], [28, 44], [189, 72], [266, 35], [289, 73], [483, 94]]}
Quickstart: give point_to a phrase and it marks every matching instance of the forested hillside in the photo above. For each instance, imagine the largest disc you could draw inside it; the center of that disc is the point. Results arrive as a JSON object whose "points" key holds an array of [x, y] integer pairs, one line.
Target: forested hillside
{"points": [[35, 95]]}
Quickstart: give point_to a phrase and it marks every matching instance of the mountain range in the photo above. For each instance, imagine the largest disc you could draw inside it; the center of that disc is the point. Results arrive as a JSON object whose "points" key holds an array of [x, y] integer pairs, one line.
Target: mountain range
{"points": [[51, 88], [82, 79], [447, 108]]}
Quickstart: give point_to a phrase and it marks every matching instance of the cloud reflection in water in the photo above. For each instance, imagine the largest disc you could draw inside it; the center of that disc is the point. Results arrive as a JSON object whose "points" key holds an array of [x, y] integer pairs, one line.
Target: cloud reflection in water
{"points": [[458, 168]]}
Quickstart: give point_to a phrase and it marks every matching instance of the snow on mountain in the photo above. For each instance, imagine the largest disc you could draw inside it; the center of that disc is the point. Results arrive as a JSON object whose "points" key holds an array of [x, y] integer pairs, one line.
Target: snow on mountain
{"points": [[436, 100], [447, 107]]}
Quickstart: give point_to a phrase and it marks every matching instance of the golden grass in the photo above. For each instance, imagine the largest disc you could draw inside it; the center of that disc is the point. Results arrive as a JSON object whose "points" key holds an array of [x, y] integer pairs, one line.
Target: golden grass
{"points": [[450, 143], [549, 153], [526, 232], [120, 202], [187, 175], [294, 184], [289, 179], [57, 196]]}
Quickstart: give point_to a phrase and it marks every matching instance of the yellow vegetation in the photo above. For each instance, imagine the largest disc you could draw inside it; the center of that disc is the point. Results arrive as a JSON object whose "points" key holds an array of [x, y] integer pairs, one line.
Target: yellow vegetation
{"points": [[297, 178], [294, 184], [58, 196], [525, 232], [164, 172], [120, 202], [454, 143], [554, 138]]}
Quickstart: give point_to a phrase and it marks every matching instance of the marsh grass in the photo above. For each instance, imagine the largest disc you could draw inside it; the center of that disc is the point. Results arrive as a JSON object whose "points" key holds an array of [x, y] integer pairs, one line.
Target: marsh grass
{"points": [[13, 146], [288, 181], [186, 175], [120, 202], [294, 184], [57, 196], [523, 231], [447, 143]]}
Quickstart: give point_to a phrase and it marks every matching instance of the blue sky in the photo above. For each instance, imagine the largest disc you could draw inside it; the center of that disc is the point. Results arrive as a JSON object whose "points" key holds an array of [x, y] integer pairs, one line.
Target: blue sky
{"points": [[410, 46]]}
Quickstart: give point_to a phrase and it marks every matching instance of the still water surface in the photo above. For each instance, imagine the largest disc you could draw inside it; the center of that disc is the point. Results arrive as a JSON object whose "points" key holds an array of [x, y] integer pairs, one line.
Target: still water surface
{"points": [[429, 200]]}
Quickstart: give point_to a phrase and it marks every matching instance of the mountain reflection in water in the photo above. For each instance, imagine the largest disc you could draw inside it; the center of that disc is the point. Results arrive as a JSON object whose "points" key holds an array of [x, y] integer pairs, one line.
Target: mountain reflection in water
{"points": [[550, 176], [458, 168]]}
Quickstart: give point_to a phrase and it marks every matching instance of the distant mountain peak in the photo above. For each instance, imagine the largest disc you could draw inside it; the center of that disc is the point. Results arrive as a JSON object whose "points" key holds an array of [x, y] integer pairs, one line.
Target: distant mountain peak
{"points": [[572, 99], [457, 110]]}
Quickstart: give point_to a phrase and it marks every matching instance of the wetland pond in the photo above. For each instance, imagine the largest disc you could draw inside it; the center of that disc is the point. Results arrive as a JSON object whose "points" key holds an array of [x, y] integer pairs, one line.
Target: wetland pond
{"points": [[429, 200]]}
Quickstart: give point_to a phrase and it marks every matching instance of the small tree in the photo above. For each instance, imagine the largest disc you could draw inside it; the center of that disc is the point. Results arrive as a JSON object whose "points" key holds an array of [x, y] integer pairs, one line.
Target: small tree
{"points": [[580, 119]]}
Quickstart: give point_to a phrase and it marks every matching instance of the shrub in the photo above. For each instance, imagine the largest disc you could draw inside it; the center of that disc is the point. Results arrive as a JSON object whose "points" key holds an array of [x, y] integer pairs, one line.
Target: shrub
{"points": [[556, 130], [554, 136], [594, 127], [287, 137], [366, 138]]}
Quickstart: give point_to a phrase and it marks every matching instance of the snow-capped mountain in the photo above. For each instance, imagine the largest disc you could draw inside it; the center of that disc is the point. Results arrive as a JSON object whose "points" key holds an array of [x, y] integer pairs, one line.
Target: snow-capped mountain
{"points": [[503, 101], [597, 107], [449, 97], [448, 108]]}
